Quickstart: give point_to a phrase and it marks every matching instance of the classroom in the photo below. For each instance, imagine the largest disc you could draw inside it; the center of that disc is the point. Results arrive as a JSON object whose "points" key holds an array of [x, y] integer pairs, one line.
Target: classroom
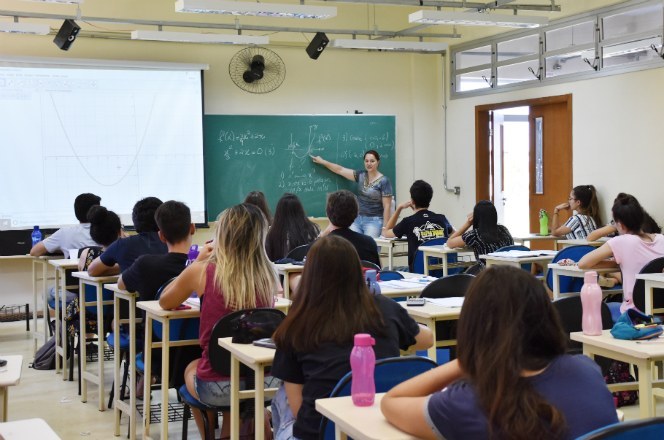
{"points": [[612, 114]]}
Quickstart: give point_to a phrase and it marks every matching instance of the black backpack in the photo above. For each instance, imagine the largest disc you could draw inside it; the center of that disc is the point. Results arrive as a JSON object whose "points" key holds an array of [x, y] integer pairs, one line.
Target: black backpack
{"points": [[45, 356]]}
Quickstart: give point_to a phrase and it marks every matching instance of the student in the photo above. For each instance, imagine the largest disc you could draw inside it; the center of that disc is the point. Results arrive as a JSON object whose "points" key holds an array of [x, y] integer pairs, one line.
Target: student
{"points": [[649, 226], [486, 236], [257, 198], [374, 192], [631, 250], [122, 254], [342, 209], [582, 200], [423, 225], [291, 228], [70, 237], [313, 349], [232, 274], [512, 379]]}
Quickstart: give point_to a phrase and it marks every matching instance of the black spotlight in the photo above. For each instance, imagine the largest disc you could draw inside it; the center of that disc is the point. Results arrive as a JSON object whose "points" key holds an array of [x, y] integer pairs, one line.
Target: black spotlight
{"points": [[67, 34], [256, 69], [317, 45]]}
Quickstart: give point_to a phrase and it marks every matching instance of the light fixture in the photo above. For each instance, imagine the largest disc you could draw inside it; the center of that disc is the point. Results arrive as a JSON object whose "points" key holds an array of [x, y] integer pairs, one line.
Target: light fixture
{"points": [[255, 9], [71, 2], [25, 28], [403, 46], [477, 19], [191, 37]]}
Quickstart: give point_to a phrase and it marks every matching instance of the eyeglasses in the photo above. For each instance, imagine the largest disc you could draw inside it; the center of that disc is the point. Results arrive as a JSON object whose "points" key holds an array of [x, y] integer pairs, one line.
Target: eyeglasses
{"points": [[570, 199]]}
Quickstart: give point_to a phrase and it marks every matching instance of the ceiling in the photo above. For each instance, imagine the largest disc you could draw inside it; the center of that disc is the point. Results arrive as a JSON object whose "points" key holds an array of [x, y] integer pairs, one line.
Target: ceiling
{"points": [[377, 19]]}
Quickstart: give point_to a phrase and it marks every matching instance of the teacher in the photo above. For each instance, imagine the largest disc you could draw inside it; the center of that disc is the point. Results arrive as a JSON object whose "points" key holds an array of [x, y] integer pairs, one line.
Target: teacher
{"points": [[374, 193]]}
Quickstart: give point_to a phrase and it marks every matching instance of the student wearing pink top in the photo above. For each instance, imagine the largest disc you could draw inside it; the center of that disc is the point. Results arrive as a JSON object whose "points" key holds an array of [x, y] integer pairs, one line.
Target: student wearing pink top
{"points": [[631, 250], [232, 274]]}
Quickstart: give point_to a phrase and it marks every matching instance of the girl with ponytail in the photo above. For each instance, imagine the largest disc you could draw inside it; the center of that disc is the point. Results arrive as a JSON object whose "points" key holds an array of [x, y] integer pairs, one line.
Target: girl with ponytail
{"points": [[583, 200]]}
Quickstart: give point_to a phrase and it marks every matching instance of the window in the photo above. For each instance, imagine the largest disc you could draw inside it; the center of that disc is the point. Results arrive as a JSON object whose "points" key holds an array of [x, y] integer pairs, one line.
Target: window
{"points": [[632, 52], [569, 63], [479, 79], [518, 48], [473, 57], [571, 36], [633, 21], [515, 73]]}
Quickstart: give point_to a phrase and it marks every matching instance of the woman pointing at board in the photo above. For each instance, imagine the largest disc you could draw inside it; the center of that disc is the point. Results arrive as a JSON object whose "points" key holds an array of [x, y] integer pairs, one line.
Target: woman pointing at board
{"points": [[374, 193]]}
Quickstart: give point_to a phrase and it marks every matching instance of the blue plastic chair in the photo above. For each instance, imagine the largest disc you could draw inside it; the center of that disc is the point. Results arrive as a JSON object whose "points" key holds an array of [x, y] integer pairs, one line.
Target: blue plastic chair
{"points": [[390, 275], [569, 284], [644, 429], [517, 247], [388, 373], [418, 262]]}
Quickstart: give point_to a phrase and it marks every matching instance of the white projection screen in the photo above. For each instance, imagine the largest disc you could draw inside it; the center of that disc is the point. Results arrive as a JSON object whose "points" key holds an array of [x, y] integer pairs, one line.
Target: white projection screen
{"points": [[123, 131]]}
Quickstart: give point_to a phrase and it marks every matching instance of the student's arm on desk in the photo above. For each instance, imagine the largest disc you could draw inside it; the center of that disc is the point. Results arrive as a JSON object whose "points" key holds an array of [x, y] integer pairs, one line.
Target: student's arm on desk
{"points": [[455, 240], [98, 269], [294, 394], [391, 223], [38, 250], [601, 232], [424, 339], [189, 281], [404, 405], [598, 258]]}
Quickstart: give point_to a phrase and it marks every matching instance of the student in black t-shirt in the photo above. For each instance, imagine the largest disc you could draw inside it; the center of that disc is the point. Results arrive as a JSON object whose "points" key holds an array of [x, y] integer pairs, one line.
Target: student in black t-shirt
{"points": [[423, 225], [313, 349]]}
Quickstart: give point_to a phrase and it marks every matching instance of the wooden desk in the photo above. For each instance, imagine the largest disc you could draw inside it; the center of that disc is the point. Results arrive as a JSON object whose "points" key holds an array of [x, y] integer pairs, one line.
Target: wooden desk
{"points": [[359, 422], [286, 270], [88, 376], [563, 243], [390, 244], [40, 266], [441, 251], [428, 315], [61, 268], [120, 406], [154, 312], [571, 271], [651, 282], [529, 238], [643, 354], [256, 358], [495, 260], [282, 304], [27, 429], [9, 377]]}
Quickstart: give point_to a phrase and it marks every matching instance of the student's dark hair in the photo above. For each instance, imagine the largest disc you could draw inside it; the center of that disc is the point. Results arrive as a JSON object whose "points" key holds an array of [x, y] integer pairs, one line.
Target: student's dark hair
{"points": [[650, 225], [173, 220], [82, 205], [421, 193], [508, 325], [257, 198], [587, 196], [332, 291], [629, 212], [374, 153], [105, 225], [143, 214], [342, 208], [485, 221], [291, 228]]}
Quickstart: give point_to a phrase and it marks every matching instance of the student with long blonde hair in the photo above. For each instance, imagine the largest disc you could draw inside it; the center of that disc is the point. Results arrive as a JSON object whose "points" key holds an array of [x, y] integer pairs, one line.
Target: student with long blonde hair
{"points": [[231, 274]]}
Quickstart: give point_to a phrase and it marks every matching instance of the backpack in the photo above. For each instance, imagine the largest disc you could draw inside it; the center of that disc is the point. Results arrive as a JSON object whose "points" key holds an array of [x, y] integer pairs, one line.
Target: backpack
{"points": [[619, 373], [45, 356]]}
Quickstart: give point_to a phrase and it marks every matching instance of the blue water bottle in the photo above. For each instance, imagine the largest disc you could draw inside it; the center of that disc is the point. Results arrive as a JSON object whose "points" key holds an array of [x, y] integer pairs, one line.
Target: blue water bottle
{"points": [[36, 235]]}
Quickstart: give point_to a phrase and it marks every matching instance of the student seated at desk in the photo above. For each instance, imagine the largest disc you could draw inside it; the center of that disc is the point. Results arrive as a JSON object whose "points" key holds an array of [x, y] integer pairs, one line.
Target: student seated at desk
{"points": [[315, 339], [122, 254], [512, 379], [232, 274], [257, 198], [70, 237], [582, 200], [291, 228], [423, 225]]}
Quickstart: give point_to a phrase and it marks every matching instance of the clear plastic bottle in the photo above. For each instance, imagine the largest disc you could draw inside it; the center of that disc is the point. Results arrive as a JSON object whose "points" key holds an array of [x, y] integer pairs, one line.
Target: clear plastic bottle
{"points": [[591, 301], [362, 363], [36, 235]]}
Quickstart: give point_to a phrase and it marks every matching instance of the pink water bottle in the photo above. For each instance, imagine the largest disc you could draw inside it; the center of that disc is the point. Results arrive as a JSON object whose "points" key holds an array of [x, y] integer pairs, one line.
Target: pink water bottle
{"points": [[591, 300], [362, 363]]}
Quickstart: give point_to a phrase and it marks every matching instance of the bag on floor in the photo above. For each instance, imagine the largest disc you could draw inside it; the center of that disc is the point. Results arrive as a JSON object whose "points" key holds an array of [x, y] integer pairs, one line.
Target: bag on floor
{"points": [[45, 356], [619, 373]]}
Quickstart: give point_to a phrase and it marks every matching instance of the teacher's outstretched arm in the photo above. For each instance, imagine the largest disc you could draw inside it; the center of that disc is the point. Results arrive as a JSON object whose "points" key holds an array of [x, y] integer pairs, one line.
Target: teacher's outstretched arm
{"points": [[335, 168]]}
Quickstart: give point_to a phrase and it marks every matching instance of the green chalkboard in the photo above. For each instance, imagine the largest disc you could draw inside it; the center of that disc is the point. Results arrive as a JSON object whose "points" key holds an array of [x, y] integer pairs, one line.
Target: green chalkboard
{"points": [[271, 154]]}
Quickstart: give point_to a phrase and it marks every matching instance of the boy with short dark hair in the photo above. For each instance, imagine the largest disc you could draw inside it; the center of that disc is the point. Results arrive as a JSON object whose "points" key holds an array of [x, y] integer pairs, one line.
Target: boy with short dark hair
{"points": [[423, 225]]}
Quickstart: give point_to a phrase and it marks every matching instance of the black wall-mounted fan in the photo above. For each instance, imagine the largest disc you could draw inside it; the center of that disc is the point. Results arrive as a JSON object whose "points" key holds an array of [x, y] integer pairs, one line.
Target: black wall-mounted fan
{"points": [[257, 70]]}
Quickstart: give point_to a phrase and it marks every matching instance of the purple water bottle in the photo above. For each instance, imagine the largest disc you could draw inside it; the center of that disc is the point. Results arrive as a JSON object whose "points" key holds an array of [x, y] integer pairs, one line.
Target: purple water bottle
{"points": [[193, 253], [591, 301], [362, 363]]}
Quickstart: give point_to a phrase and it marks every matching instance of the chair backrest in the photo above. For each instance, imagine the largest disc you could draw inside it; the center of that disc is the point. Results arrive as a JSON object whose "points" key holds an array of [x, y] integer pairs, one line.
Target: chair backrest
{"points": [[388, 373], [452, 285], [643, 429], [220, 358], [418, 262], [569, 284], [299, 252], [389, 275], [570, 312], [516, 247], [369, 265], [638, 295]]}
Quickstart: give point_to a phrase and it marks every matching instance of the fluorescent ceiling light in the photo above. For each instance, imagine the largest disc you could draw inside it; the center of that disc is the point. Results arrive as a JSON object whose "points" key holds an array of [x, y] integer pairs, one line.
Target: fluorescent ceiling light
{"points": [[255, 9], [403, 46], [25, 28], [477, 19], [71, 2], [191, 37]]}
